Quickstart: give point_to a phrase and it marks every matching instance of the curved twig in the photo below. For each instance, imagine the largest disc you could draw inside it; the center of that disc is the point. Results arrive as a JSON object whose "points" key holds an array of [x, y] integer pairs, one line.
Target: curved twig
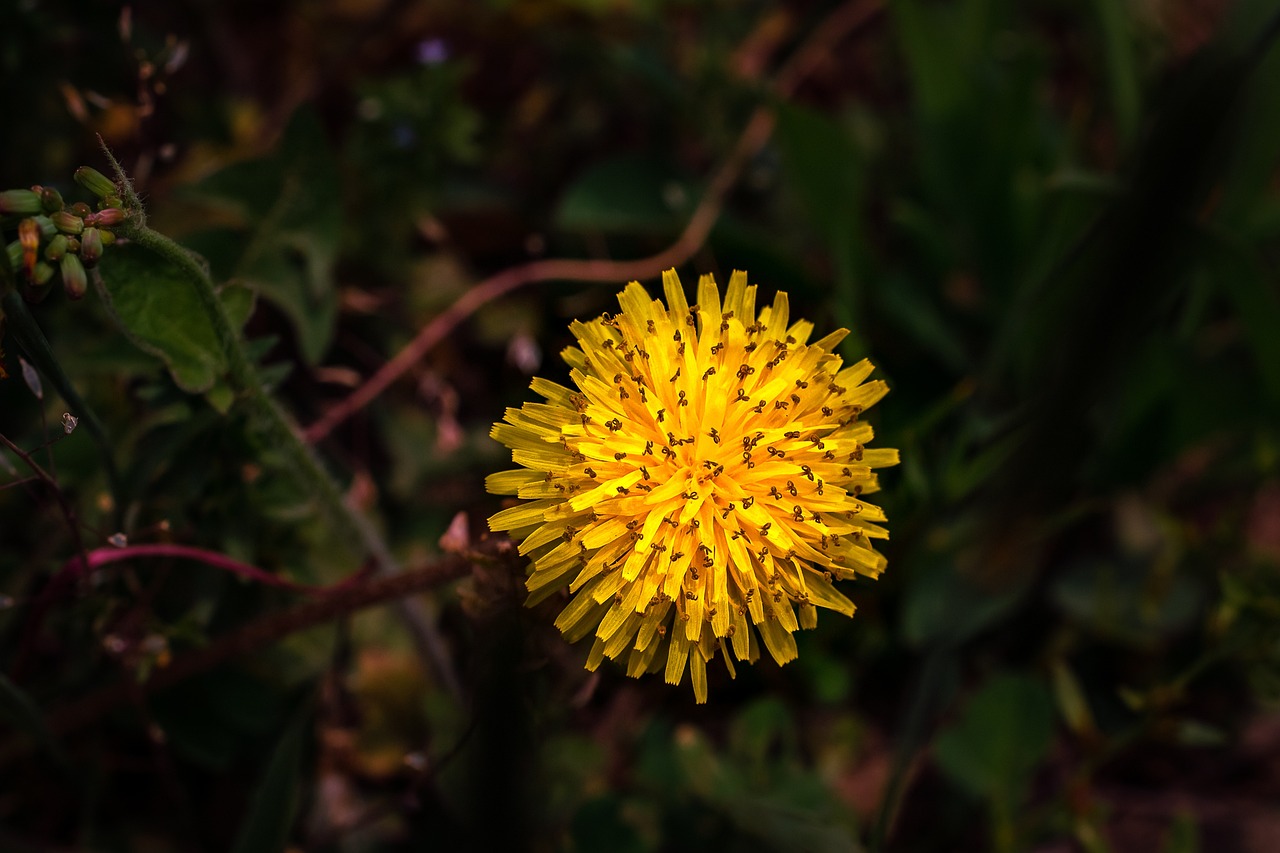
{"points": [[844, 20], [268, 629]]}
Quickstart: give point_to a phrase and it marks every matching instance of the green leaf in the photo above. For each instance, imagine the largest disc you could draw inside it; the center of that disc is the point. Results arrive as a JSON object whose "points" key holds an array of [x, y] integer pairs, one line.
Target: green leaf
{"points": [[825, 167], [161, 313], [931, 61], [910, 308], [789, 829], [943, 605], [1184, 834], [1122, 73], [601, 824], [290, 204], [624, 194], [275, 802], [1127, 601], [1003, 734], [1250, 285], [281, 277]]}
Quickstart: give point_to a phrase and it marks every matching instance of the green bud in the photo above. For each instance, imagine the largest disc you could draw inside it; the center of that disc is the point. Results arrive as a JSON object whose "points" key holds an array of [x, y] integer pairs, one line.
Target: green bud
{"points": [[74, 279], [47, 229], [67, 222], [90, 247], [15, 254], [81, 209], [51, 200], [19, 203], [43, 273], [95, 182], [56, 249]]}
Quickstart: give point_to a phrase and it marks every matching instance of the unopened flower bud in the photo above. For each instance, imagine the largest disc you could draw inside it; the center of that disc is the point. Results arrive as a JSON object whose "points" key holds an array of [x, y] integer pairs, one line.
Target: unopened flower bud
{"points": [[19, 202], [107, 237], [105, 218], [67, 222], [95, 182], [47, 229], [29, 237], [90, 247], [56, 249], [15, 254], [51, 200], [74, 279], [43, 273], [81, 209]]}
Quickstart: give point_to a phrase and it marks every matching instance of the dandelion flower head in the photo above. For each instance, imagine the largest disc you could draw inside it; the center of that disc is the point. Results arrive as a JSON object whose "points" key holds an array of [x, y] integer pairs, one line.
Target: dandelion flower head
{"points": [[704, 485]]}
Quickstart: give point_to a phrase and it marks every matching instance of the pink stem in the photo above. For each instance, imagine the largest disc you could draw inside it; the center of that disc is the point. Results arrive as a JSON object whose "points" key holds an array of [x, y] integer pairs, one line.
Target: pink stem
{"points": [[100, 557]]}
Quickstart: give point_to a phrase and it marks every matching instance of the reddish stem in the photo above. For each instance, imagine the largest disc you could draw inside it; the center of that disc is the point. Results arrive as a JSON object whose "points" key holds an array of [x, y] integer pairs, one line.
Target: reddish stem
{"points": [[100, 557]]}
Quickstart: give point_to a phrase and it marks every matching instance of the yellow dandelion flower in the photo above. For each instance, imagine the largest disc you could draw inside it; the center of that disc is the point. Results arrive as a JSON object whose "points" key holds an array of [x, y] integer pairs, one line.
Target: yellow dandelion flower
{"points": [[705, 483]]}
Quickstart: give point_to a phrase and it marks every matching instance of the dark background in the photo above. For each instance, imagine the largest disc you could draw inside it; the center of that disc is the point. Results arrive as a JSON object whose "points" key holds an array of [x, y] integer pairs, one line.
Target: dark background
{"points": [[1053, 225]]}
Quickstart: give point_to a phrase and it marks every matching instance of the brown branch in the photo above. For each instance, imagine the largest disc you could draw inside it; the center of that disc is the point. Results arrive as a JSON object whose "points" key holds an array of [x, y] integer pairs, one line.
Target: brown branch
{"points": [[255, 635], [847, 18]]}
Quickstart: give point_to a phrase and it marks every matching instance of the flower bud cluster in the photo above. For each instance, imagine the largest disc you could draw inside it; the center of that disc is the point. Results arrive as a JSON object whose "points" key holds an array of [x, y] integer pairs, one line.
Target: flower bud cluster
{"points": [[56, 239]]}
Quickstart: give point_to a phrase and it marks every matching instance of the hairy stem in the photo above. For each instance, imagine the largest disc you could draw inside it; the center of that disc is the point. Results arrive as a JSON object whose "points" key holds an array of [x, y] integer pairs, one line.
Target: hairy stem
{"points": [[283, 436]]}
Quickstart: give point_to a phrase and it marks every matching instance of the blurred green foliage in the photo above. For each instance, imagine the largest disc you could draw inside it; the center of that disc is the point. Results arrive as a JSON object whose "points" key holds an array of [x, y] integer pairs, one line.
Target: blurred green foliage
{"points": [[1054, 226]]}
